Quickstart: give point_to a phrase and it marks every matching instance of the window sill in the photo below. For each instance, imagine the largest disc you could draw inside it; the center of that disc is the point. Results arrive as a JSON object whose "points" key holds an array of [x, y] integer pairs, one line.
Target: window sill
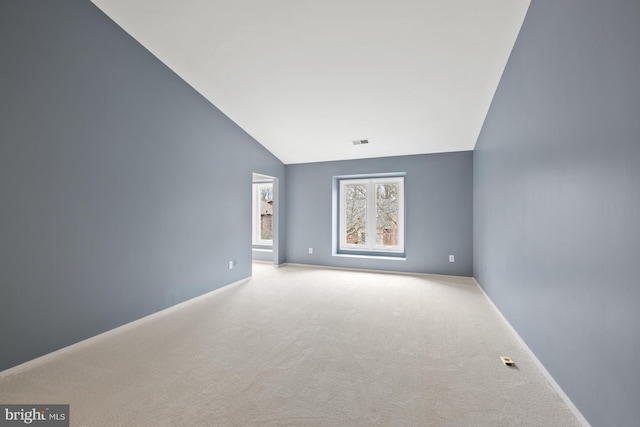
{"points": [[372, 256]]}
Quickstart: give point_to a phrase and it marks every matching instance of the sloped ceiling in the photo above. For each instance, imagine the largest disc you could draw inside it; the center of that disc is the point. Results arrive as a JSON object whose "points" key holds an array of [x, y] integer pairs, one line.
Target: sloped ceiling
{"points": [[306, 78]]}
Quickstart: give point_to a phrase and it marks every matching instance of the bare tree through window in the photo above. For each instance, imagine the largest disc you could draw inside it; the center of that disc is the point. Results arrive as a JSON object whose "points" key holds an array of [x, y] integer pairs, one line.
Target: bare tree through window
{"points": [[371, 214], [356, 212], [387, 214], [262, 213], [266, 212]]}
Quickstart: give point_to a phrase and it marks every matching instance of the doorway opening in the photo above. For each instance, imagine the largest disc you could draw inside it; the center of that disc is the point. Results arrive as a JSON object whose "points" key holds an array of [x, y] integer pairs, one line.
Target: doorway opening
{"points": [[264, 219]]}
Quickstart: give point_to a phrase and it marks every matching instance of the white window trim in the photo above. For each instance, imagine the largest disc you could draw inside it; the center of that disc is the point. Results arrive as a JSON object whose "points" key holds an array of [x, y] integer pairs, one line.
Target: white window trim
{"points": [[372, 247], [255, 218]]}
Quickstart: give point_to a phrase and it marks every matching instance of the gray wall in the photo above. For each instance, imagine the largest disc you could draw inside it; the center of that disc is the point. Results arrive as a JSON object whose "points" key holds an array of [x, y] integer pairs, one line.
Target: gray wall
{"points": [[557, 200], [123, 191], [439, 200]]}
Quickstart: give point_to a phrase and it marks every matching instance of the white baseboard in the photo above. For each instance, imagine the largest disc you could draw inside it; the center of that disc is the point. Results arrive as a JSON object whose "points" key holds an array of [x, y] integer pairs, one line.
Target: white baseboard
{"points": [[97, 338], [576, 412], [370, 270]]}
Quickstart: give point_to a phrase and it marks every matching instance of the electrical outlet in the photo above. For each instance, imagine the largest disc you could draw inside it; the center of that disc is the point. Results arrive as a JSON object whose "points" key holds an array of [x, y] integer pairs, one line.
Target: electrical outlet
{"points": [[452, 258], [232, 264], [310, 250]]}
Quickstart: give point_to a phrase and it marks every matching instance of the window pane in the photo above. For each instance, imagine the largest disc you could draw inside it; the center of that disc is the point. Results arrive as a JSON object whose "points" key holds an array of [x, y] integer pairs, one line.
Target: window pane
{"points": [[266, 212], [370, 216], [355, 213], [387, 214]]}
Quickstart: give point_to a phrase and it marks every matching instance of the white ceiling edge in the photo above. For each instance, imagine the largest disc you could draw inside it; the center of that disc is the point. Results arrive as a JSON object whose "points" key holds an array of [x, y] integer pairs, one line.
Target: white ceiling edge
{"points": [[306, 78]]}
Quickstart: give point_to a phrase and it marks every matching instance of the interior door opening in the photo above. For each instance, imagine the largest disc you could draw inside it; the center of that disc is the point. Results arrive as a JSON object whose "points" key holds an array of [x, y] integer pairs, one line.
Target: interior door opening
{"points": [[264, 219]]}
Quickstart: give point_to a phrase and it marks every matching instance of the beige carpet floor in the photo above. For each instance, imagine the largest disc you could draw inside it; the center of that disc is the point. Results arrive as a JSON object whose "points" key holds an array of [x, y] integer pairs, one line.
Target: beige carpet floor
{"points": [[299, 346]]}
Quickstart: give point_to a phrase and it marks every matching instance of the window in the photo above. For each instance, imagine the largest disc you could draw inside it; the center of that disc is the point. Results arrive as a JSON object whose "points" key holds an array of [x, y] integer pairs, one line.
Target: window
{"points": [[263, 213], [371, 215]]}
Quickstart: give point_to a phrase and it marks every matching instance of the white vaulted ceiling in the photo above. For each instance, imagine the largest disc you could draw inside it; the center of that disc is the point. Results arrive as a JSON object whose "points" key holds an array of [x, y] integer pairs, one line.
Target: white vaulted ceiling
{"points": [[306, 78]]}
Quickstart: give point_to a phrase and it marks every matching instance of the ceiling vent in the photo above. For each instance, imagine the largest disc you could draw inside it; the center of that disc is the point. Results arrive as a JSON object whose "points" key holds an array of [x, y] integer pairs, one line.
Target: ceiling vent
{"points": [[360, 141]]}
